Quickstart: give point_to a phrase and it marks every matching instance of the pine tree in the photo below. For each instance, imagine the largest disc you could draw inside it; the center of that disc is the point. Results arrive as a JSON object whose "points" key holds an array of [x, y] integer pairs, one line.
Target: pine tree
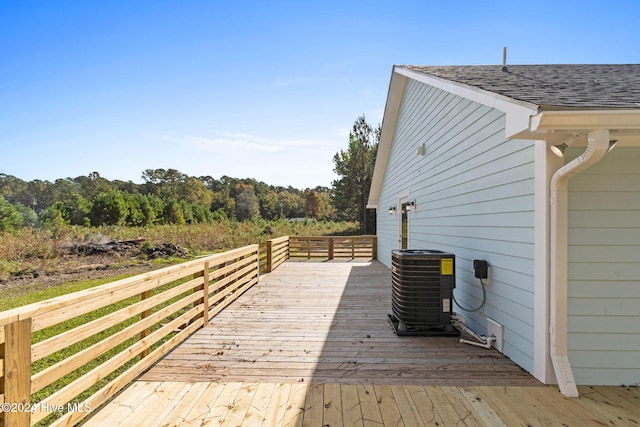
{"points": [[355, 166]]}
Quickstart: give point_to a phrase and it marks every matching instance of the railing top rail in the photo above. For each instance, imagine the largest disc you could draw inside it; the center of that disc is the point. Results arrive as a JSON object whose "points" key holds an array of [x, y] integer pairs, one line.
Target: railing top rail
{"points": [[45, 306], [280, 239]]}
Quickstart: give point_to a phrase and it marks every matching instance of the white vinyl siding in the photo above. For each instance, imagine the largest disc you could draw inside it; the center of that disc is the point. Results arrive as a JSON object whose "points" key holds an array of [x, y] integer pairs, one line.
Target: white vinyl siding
{"points": [[474, 194], [604, 269]]}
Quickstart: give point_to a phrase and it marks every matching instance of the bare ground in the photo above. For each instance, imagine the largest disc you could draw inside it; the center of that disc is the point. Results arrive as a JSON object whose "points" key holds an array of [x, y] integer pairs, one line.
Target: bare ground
{"points": [[91, 261]]}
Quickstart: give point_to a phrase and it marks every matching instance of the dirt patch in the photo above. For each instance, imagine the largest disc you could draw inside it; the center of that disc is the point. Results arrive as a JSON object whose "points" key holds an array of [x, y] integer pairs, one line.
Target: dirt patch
{"points": [[86, 261], [130, 248]]}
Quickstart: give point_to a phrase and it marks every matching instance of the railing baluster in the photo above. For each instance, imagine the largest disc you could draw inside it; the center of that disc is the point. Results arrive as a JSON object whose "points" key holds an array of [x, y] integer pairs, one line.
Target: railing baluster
{"points": [[330, 248], [205, 288], [269, 256], [143, 315], [17, 372]]}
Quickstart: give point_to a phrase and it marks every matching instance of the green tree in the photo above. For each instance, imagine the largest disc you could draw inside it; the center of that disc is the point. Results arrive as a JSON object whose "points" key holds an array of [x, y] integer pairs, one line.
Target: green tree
{"points": [[109, 208], [173, 213], [270, 205], [137, 204], [151, 208], [355, 167], [77, 210], [163, 183], [29, 217], [93, 185], [40, 194], [222, 201], [194, 190], [54, 216], [247, 206], [201, 214], [65, 189], [292, 204], [10, 218], [15, 190]]}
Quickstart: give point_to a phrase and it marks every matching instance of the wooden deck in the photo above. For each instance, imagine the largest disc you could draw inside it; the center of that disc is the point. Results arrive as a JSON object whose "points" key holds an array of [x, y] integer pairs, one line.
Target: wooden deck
{"points": [[315, 322], [311, 345], [151, 403]]}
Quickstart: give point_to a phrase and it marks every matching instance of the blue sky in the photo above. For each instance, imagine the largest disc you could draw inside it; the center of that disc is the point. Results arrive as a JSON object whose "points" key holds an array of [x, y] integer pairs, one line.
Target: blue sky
{"points": [[266, 90]]}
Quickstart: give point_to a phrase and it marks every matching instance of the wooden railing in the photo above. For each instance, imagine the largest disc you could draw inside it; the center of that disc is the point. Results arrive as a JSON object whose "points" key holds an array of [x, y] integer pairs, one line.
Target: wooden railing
{"points": [[317, 247], [333, 247], [277, 252], [147, 316], [63, 357]]}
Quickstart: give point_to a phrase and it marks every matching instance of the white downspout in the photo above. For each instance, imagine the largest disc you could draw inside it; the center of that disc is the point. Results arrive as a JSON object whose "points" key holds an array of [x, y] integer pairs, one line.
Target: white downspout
{"points": [[598, 144]]}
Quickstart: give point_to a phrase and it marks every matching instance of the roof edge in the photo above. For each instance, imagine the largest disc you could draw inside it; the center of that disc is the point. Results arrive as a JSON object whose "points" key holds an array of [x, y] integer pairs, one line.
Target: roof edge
{"points": [[394, 99], [517, 111]]}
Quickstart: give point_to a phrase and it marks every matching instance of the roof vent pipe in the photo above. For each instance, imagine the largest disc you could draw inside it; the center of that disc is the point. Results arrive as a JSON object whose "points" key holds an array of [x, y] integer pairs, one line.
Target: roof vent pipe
{"points": [[504, 60], [598, 145]]}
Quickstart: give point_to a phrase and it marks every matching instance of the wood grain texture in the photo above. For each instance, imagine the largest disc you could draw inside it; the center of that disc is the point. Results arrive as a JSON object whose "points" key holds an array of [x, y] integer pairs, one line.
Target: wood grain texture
{"points": [[326, 322], [17, 367], [268, 404], [310, 346]]}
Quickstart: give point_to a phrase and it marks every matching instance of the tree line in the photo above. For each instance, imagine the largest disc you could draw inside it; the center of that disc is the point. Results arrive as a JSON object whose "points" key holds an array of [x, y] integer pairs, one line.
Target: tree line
{"points": [[165, 197], [168, 196]]}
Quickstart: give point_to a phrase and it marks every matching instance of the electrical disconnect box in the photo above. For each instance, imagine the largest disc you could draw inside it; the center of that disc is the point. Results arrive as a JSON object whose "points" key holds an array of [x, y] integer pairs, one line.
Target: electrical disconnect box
{"points": [[481, 268]]}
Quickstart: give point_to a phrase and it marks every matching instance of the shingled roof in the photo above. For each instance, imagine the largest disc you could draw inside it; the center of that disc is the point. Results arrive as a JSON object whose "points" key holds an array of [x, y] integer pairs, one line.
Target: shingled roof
{"points": [[551, 87]]}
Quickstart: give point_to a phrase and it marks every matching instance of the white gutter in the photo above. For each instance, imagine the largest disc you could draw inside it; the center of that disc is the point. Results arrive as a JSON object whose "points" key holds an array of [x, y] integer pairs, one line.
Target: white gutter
{"points": [[598, 145]]}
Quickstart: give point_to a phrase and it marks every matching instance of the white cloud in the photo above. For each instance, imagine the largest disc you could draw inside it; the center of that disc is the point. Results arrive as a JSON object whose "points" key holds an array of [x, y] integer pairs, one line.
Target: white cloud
{"points": [[242, 141]]}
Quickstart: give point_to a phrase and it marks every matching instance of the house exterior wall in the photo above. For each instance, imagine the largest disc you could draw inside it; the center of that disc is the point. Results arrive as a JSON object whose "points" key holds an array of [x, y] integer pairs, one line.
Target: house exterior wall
{"points": [[604, 269], [474, 194]]}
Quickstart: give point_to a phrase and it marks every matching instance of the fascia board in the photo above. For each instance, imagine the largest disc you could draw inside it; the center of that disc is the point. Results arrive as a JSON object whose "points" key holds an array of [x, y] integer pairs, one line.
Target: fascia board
{"points": [[585, 120], [518, 113], [389, 120]]}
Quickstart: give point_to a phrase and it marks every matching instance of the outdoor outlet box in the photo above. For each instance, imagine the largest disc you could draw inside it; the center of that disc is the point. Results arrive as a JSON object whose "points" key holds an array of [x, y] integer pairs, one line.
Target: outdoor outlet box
{"points": [[494, 329], [481, 268]]}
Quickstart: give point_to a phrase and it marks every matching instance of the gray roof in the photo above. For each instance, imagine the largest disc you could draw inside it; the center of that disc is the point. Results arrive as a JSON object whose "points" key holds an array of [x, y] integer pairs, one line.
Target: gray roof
{"points": [[551, 86]]}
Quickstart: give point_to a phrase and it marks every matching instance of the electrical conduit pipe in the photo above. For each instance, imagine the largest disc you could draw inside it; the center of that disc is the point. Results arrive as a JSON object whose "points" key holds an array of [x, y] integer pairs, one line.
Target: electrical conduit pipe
{"points": [[485, 342], [597, 147]]}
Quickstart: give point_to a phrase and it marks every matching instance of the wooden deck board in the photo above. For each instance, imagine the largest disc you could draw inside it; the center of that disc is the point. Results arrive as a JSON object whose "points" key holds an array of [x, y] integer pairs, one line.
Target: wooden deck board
{"points": [[310, 345], [288, 404], [327, 322]]}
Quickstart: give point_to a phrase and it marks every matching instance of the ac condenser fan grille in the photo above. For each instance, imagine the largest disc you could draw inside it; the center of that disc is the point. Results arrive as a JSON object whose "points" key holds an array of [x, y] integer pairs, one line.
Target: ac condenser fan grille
{"points": [[422, 287]]}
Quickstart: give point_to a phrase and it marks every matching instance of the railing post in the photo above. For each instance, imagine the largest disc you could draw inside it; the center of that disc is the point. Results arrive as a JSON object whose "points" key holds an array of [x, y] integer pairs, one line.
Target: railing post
{"points": [[205, 288], [17, 372], [2, 424], [288, 247], [147, 331], [330, 247], [204, 273], [269, 256], [374, 246]]}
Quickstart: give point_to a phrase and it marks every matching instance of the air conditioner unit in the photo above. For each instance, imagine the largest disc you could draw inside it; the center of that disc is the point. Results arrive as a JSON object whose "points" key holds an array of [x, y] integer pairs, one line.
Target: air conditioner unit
{"points": [[422, 292]]}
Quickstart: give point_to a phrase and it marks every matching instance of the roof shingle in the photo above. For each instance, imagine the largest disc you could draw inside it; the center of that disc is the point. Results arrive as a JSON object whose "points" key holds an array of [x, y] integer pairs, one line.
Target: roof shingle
{"points": [[561, 86]]}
